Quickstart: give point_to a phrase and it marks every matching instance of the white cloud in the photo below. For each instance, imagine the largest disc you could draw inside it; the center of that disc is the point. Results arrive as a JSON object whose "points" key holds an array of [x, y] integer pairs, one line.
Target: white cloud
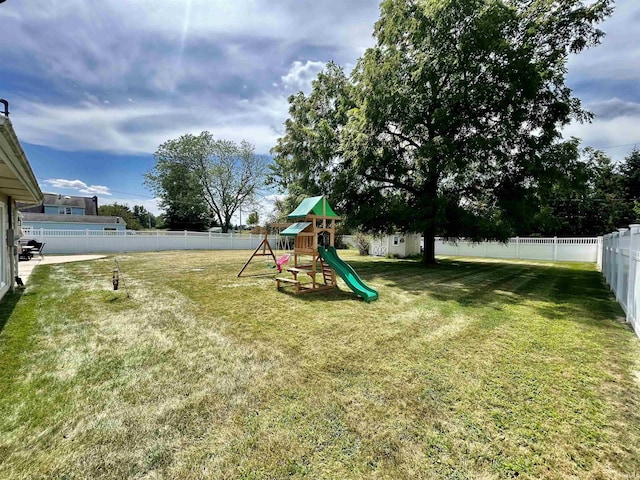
{"points": [[618, 55], [127, 76], [78, 185], [615, 136], [134, 128], [95, 189], [300, 75], [614, 107]]}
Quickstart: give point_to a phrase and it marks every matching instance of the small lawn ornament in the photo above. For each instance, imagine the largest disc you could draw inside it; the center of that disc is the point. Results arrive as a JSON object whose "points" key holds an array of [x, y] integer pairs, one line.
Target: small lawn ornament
{"points": [[117, 276]]}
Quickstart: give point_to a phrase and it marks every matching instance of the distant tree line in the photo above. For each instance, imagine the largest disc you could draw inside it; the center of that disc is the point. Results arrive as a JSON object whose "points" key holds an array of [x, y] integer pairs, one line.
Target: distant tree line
{"points": [[137, 218], [594, 196]]}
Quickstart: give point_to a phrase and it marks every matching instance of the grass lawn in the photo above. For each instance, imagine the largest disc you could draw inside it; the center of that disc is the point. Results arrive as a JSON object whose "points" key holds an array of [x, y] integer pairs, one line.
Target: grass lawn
{"points": [[468, 369]]}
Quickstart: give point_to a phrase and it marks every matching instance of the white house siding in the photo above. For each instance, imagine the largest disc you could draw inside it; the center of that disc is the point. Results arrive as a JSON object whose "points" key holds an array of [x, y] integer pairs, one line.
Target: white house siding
{"points": [[7, 258], [18, 183]]}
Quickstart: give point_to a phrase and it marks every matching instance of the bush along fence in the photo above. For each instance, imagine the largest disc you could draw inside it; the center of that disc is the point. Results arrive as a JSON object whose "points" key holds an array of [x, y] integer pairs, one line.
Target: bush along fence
{"points": [[621, 270]]}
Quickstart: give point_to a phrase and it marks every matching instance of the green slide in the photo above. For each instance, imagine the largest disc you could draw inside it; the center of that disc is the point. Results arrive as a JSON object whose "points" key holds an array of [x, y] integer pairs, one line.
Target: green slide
{"points": [[348, 274]]}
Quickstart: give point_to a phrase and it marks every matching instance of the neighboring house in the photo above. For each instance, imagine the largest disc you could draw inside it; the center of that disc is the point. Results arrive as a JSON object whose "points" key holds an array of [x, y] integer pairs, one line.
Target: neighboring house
{"points": [[399, 245], [65, 212], [17, 183]]}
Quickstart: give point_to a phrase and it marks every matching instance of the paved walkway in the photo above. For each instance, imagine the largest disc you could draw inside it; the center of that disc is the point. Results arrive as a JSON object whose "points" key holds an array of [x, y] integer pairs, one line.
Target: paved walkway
{"points": [[26, 267]]}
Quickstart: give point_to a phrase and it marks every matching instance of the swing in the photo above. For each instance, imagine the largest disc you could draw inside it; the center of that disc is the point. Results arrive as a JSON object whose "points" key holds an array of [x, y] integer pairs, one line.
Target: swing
{"points": [[264, 250]]}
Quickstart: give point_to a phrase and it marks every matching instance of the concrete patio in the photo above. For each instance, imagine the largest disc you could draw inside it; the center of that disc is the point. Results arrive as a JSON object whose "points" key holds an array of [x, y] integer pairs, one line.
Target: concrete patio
{"points": [[26, 267]]}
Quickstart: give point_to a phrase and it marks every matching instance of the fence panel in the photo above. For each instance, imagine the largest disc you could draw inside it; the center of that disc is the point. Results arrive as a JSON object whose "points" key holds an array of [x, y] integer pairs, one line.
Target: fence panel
{"points": [[621, 270], [554, 249], [96, 241]]}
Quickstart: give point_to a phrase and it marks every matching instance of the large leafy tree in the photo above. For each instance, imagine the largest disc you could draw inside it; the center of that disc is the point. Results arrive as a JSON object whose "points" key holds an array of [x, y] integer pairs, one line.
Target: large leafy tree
{"points": [[122, 211], [180, 195], [207, 175], [630, 171], [450, 122]]}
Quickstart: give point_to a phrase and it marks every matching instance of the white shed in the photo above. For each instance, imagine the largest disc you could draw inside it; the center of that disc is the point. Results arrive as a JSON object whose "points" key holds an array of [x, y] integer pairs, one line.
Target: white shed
{"points": [[398, 244]]}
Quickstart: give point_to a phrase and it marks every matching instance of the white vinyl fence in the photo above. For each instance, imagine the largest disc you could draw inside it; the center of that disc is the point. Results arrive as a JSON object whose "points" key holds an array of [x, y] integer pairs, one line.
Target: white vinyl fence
{"points": [[621, 270], [98, 241], [553, 249]]}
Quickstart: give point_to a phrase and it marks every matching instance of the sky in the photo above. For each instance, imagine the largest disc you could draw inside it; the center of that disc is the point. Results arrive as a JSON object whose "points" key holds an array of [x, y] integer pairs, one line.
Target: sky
{"points": [[95, 87]]}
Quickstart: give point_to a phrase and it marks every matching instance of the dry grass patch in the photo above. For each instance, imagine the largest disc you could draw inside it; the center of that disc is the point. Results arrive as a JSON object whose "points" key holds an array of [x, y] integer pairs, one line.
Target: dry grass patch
{"points": [[469, 369]]}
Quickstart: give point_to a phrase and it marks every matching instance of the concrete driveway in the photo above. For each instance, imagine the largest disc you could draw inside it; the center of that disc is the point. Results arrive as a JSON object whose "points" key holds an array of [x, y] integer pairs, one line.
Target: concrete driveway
{"points": [[26, 267]]}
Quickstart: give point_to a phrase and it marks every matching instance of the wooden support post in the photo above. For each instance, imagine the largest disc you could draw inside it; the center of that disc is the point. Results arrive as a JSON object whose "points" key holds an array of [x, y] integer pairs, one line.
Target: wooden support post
{"points": [[265, 246]]}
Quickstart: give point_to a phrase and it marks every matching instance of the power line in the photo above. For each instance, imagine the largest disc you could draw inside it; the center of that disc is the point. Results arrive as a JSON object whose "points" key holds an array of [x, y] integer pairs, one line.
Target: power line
{"points": [[617, 146], [133, 194]]}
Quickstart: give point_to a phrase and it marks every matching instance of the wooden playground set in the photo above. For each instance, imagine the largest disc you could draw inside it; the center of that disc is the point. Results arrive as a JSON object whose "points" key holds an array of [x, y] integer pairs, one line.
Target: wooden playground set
{"points": [[315, 262]]}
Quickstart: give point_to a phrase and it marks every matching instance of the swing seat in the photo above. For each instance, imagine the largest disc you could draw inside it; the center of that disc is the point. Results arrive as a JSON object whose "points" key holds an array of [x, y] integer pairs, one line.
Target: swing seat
{"points": [[282, 260]]}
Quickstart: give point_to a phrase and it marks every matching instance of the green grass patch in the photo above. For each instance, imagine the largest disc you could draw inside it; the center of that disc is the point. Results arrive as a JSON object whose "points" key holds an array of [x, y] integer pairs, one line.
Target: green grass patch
{"points": [[467, 369]]}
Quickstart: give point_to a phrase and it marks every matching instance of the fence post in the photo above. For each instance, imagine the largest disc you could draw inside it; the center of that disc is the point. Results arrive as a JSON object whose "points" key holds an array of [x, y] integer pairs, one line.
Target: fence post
{"points": [[632, 285], [517, 247], [605, 258], [614, 261], [555, 248], [600, 254], [620, 261]]}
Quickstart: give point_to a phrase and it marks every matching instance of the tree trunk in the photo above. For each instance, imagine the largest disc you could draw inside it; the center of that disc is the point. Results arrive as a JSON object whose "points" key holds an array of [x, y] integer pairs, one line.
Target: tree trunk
{"points": [[429, 252]]}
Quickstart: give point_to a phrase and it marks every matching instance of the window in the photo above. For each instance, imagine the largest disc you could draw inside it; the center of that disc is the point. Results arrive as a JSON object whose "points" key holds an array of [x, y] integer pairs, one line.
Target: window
{"points": [[396, 240], [64, 210]]}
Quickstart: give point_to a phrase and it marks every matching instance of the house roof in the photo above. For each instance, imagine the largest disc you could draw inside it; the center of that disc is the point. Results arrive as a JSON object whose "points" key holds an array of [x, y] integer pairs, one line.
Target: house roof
{"points": [[90, 204], [16, 176], [41, 217], [295, 229], [314, 206]]}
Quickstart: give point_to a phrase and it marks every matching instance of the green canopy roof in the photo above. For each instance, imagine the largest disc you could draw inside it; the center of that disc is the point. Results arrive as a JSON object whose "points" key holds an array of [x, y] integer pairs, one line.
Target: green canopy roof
{"points": [[313, 205], [295, 229]]}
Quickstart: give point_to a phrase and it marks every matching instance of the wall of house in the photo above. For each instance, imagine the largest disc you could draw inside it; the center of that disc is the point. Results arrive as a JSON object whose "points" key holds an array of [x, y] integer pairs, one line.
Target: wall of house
{"points": [[58, 210], [6, 251], [72, 226]]}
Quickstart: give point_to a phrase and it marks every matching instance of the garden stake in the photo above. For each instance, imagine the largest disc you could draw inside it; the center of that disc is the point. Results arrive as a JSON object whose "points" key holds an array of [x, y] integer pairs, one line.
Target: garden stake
{"points": [[117, 274]]}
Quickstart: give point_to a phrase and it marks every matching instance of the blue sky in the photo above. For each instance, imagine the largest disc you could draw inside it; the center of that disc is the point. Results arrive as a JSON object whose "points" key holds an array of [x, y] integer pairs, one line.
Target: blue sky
{"points": [[95, 87]]}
